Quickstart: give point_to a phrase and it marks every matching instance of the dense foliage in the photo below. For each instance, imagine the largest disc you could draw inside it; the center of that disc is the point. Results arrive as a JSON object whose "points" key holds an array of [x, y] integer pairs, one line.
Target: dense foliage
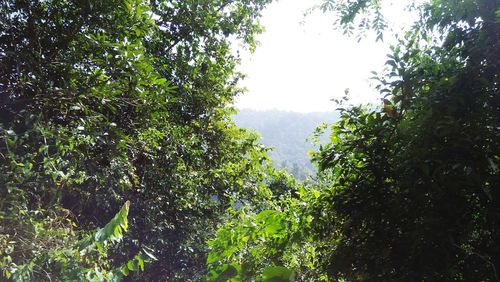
{"points": [[104, 102], [119, 158], [415, 189]]}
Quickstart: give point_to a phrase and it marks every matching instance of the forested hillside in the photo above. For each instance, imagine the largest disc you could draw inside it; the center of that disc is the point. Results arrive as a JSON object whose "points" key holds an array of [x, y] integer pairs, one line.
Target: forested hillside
{"points": [[120, 160], [289, 134]]}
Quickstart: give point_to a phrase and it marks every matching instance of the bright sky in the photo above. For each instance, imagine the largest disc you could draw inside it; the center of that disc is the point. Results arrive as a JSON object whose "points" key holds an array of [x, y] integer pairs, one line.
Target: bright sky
{"points": [[300, 67]]}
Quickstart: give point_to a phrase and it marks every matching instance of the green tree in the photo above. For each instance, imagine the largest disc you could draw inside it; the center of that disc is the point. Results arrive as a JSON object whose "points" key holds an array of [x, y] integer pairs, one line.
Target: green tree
{"points": [[104, 102], [61, 105], [415, 183]]}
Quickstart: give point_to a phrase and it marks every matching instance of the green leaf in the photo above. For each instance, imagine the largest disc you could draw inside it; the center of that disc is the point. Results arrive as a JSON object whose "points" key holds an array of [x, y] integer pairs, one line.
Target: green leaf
{"points": [[113, 230], [263, 215], [223, 273], [131, 265], [278, 274], [140, 262], [124, 270]]}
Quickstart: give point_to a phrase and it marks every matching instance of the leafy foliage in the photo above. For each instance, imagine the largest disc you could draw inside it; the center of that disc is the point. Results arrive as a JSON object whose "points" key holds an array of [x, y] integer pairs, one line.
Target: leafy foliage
{"points": [[47, 248], [273, 243], [413, 182], [356, 16], [104, 102]]}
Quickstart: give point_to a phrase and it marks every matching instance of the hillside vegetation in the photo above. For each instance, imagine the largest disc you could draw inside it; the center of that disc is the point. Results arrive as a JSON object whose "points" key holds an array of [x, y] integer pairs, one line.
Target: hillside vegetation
{"points": [[289, 134]]}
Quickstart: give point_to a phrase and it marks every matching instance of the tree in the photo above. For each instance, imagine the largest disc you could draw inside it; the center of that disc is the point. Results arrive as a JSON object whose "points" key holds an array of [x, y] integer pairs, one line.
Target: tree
{"points": [[104, 102], [414, 183]]}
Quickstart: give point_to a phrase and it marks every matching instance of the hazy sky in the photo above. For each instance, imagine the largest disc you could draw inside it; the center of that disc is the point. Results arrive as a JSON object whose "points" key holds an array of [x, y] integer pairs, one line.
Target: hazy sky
{"points": [[300, 67]]}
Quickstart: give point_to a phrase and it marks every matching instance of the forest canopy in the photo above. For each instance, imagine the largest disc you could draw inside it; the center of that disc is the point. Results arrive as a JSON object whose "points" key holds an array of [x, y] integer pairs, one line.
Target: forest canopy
{"points": [[119, 158]]}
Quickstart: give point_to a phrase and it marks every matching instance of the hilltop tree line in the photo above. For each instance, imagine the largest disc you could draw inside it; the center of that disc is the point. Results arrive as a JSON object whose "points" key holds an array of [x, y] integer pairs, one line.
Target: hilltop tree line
{"points": [[289, 135], [119, 158]]}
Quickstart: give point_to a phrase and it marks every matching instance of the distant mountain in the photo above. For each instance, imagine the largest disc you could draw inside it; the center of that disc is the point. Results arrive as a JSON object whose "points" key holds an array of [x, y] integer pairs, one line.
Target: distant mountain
{"points": [[287, 133]]}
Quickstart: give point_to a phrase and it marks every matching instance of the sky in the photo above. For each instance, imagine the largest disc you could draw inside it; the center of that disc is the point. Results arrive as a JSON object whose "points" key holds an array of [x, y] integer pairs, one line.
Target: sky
{"points": [[300, 67]]}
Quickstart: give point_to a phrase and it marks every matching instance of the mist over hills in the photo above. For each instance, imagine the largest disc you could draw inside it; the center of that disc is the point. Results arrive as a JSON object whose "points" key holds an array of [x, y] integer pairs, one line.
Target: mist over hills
{"points": [[287, 133]]}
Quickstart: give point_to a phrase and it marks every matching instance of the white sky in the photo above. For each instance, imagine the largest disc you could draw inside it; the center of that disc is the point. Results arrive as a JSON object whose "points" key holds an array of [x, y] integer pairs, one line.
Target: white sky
{"points": [[300, 67]]}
